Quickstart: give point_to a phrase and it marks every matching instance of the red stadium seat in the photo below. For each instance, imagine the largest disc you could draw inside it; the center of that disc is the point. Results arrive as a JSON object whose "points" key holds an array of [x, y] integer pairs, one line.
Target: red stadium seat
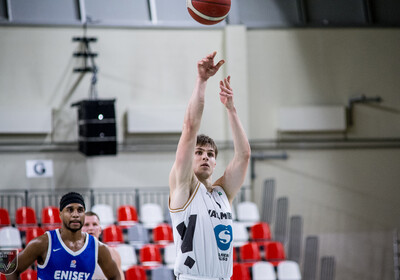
{"points": [[51, 218], [112, 235], [260, 232], [32, 233], [28, 274], [126, 216], [274, 252], [162, 234], [249, 253], [150, 255], [4, 218], [135, 272], [240, 272], [25, 217]]}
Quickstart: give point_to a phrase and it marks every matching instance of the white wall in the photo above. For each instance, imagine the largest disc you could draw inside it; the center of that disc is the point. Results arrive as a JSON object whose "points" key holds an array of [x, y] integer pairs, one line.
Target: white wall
{"points": [[348, 197]]}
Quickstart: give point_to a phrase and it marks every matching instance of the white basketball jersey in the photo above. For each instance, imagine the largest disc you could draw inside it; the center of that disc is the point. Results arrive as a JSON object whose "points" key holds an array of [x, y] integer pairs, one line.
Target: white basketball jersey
{"points": [[203, 234]]}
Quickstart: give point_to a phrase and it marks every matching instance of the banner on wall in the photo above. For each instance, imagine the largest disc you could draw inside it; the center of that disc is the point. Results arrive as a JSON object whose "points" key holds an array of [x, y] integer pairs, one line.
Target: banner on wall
{"points": [[39, 168]]}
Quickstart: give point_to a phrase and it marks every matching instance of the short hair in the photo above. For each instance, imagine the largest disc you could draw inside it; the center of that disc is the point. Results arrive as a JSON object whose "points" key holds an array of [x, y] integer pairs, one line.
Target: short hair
{"points": [[90, 213], [204, 140]]}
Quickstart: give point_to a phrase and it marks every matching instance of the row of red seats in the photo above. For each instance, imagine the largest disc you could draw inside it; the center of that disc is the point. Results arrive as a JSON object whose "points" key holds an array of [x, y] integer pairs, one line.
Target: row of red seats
{"points": [[29, 274], [112, 235], [136, 272], [162, 233], [252, 252], [26, 216]]}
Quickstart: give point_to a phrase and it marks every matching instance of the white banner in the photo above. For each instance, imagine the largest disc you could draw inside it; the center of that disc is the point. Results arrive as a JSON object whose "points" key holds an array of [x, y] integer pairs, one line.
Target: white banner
{"points": [[39, 168]]}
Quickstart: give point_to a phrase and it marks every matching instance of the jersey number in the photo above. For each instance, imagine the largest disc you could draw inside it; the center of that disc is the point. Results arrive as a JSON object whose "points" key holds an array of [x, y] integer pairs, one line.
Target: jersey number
{"points": [[187, 234]]}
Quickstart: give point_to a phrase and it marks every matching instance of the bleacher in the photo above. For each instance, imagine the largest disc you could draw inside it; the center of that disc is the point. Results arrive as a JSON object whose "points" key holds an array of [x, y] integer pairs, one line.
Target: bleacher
{"points": [[266, 246], [137, 223], [267, 243]]}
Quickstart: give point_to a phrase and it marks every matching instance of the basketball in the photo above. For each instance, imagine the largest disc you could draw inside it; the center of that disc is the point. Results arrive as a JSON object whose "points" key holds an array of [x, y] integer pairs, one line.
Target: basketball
{"points": [[208, 12]]}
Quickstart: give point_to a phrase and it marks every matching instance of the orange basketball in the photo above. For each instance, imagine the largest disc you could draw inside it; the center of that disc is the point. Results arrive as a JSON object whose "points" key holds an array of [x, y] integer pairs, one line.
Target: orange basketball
{"points": [[208, 12]]}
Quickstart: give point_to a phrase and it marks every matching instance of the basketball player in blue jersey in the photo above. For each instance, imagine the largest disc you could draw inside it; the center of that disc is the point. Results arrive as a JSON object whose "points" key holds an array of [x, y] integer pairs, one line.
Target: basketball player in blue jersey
{"points": [[67, 253], [200, 208]]}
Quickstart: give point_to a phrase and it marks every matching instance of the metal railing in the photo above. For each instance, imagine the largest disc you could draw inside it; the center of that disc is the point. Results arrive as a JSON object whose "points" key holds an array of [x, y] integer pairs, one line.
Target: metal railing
{"points": [[115, 197]]}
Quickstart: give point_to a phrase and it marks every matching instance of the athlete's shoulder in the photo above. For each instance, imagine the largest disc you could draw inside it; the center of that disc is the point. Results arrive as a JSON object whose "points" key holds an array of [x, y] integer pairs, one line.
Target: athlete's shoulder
{"points": [[38, 244]]}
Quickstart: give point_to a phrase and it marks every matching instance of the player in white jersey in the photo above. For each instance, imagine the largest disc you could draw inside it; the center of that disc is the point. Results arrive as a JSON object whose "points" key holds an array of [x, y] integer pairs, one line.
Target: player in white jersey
{"points": [[201, 208], [93, 227]]}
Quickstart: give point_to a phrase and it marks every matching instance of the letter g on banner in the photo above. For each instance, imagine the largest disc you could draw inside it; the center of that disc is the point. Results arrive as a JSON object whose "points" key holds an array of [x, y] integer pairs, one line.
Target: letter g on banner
{"points": [[39, 168]]}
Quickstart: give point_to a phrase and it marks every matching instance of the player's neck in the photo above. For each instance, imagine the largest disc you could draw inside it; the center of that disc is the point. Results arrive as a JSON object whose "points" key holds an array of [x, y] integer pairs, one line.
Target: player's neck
{"points": [[207, 182], [69, 235]]}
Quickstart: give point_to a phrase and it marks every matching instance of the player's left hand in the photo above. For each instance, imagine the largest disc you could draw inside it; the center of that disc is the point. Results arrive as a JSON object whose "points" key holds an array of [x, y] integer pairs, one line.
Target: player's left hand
{"points": [[226, 94]]}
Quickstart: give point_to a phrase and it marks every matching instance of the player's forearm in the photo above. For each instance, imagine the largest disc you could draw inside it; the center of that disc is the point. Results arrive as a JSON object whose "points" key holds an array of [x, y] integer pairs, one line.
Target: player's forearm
{"points": [[194, 111], [240, 141]]}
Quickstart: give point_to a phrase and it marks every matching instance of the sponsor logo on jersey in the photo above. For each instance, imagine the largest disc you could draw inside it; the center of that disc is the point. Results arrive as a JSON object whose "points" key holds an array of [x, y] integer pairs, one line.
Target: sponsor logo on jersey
{"points": [[220, 215], [224, 237], [73, 264], [71, 275]]}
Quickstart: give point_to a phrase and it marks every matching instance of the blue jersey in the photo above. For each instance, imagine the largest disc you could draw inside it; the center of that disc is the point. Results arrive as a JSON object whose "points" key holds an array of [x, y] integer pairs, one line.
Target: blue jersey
{"points": [[62, 263]]}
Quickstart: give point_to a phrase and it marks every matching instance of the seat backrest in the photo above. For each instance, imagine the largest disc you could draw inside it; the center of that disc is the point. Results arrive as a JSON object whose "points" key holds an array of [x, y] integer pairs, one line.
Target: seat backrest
{"points": [[105, 213], [247, 211], [135, 272], [128, 256], [51, 215], [138, 235], [10, 238], [112, 235], [126, 215], [260, 232], [240, 272], [274, 251], [162, 234], [4, 217], [162, 273], [240, 234], [25, 216], [263, 271], [170, 255], [32, 233], [28, 274], [288, 270], [150, 255], [250, 252], [151, 215]]}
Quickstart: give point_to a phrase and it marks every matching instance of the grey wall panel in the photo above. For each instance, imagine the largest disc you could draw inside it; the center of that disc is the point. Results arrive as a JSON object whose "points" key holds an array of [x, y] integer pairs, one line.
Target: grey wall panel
{"points": [[118, 12], [172, 10], [3, 10], [269, 13], [45, 11], [386, 12], [335, 12]]}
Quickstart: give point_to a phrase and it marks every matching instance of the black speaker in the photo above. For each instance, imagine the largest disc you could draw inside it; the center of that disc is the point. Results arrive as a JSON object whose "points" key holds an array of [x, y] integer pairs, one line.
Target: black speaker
{"points": [[97, 127]]}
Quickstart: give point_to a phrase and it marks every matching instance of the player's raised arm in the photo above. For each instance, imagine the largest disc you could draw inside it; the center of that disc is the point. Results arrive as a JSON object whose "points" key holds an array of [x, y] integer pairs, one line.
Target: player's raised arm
{"points": [[182, 174], [235, 172]]}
